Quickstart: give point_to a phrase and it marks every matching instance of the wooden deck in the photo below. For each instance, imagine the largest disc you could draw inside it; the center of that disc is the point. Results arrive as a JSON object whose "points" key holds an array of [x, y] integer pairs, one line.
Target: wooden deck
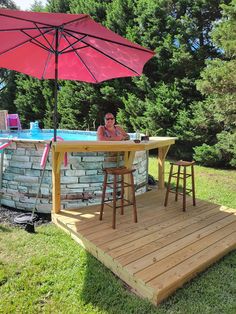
{"points": [[161, 252]]}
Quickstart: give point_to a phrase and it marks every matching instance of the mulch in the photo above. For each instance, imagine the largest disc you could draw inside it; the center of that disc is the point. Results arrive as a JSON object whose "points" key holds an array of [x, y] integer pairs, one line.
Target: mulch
{"points": [[7, 216]]}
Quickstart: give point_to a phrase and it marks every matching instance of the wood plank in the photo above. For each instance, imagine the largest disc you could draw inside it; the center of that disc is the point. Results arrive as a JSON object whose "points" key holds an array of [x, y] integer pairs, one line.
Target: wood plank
{"points": [[114, 146], [161, 252], [136, 252], [168, 282], [146, 261], [181, 217], [163, 265], [137, 285]]}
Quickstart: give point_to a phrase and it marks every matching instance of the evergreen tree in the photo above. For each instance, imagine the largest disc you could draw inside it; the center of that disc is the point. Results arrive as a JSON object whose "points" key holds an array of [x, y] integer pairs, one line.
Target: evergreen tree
{"points": [[218, 83], [30, 102], [61, 6]]}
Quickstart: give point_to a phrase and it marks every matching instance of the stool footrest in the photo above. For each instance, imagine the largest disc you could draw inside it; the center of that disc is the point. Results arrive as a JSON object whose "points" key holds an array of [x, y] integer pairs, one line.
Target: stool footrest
{"points": [[118, 184], [175, 175], [180, 193], [110, 203]]}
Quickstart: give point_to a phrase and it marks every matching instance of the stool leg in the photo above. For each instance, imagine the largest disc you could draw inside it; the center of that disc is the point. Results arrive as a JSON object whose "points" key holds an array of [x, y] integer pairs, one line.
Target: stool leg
{"points": [[193, 186], [168, 185], [177, 184], [184, 190], [103, 195], [134, 199], [122, 195], [114, 202]]}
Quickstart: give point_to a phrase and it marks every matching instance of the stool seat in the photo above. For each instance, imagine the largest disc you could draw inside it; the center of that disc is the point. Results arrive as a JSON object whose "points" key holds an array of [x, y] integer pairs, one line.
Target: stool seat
{"points": [[183, 163], [183, 176], [119, 171], [115, 184]]}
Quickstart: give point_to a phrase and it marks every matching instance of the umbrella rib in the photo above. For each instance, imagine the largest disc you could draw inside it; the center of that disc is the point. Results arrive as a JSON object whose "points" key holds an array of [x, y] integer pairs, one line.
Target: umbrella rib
{"points": [[53, 50], [50, 25], [109, 57], [90, 72], [69, 32], [24, 28], [46, 62], [72, 50], [44, 36], [77, 19], [22, 43], [109, 40], [24, 19], [34, 41], [70, 45]]}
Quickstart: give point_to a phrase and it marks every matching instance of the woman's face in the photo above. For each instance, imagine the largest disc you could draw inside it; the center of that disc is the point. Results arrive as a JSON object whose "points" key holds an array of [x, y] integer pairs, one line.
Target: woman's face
{"points": [[109, 120]]}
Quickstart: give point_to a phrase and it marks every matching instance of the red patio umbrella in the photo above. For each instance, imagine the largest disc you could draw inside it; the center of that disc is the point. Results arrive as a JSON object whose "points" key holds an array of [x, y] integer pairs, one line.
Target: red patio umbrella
{"points": [[66, 46]]}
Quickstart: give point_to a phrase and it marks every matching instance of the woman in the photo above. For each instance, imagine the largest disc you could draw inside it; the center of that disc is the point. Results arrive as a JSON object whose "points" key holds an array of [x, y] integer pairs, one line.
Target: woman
{"points": [[110, 131]]}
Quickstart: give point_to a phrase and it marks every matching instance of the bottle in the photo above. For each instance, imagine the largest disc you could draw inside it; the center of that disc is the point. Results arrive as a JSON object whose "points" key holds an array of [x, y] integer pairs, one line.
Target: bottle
{"points": [[137, 135]]}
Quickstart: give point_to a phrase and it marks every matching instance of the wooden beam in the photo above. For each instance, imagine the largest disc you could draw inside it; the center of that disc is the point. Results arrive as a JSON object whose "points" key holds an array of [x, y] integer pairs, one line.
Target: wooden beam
{"points": [[128, 159], [107, 146], [162, 152]]}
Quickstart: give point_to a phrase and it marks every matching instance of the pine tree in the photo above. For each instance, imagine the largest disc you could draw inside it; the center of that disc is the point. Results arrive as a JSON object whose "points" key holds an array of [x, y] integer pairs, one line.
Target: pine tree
{"points": [[218, 83]]}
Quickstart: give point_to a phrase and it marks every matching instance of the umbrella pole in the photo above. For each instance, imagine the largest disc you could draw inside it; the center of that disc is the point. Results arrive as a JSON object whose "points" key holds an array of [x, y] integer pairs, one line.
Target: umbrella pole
{"points": [[55, 88]]}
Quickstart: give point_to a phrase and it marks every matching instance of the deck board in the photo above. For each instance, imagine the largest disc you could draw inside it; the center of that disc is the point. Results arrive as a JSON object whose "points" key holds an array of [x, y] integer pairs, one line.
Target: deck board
{"points": [[165, 249]]}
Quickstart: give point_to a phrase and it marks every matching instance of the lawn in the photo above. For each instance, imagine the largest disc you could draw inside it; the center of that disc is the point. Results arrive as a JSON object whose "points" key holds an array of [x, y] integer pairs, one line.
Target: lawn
{"points": [[48, 272]]}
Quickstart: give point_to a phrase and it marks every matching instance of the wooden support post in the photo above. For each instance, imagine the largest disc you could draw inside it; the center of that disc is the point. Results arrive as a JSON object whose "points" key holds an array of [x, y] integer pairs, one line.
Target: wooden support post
{"points": [[56, 181], [59, 161], [128, 159], [162, 152]]}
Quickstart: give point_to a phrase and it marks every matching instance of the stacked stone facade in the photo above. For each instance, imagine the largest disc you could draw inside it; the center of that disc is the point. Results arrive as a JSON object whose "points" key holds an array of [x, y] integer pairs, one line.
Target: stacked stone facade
{"points": [[81, 179]]}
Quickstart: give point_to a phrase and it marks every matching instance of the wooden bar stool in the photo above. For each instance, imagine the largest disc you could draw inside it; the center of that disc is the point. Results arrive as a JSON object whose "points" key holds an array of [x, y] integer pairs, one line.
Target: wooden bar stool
{"points": [[181, 175], [118, 182]]}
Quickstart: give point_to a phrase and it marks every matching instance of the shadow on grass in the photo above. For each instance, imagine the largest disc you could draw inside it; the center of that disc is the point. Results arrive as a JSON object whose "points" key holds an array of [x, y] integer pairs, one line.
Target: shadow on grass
{"points": [[105, 290], [5, 229]]}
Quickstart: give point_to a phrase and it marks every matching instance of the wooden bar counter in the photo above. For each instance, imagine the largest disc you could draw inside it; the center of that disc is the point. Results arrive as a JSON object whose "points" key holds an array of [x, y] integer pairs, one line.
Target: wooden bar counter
{"points": [[128, 147]]}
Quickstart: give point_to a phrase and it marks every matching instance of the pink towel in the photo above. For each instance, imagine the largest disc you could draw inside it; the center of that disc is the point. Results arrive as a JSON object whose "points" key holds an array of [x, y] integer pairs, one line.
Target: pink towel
{"points": [[14, 121]]}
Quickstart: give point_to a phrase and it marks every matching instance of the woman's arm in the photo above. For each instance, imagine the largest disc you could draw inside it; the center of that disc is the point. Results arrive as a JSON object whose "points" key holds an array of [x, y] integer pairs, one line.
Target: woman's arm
{"points": [[100, 133], [125, 135]]}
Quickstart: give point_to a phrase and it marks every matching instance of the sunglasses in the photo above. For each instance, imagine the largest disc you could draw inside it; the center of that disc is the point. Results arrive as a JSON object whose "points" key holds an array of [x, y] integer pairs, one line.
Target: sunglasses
{"points": [[109, 118]]}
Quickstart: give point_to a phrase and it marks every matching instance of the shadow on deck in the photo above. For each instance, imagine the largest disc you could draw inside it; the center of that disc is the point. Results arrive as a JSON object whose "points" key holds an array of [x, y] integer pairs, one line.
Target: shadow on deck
{"points": [[165, 249]]}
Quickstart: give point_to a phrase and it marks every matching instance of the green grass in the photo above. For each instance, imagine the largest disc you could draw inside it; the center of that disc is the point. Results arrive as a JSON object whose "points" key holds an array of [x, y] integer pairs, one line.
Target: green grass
{"points": [[48, 272]]}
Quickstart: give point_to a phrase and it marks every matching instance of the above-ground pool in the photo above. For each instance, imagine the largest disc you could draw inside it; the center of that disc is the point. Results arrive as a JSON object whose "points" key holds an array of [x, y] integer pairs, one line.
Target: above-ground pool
{"points": [[42, 135], [81, 179]]}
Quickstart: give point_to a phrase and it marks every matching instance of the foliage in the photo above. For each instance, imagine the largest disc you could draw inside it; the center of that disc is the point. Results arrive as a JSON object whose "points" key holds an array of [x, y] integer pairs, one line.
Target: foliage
{"points": [[58, 6], [7, 90], [181, 90], [30, 101], [207, 155], [8, 4], [218, 84]]}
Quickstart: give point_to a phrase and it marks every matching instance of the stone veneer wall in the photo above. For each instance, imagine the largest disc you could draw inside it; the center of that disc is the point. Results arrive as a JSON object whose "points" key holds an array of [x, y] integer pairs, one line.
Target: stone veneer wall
{"points": [[81, 180]]}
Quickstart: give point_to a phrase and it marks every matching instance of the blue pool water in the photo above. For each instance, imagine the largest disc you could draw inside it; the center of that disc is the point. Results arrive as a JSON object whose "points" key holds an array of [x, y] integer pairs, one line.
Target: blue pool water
{"points": [[46, 134]]}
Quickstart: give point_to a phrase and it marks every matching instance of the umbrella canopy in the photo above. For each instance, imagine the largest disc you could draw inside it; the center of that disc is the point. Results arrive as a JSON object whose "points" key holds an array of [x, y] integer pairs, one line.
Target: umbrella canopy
{"points": [[66, 46]]}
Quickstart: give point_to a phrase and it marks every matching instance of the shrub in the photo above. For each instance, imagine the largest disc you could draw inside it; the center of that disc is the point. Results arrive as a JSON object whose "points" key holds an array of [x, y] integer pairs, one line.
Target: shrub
{"points": [[208, 155]]}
